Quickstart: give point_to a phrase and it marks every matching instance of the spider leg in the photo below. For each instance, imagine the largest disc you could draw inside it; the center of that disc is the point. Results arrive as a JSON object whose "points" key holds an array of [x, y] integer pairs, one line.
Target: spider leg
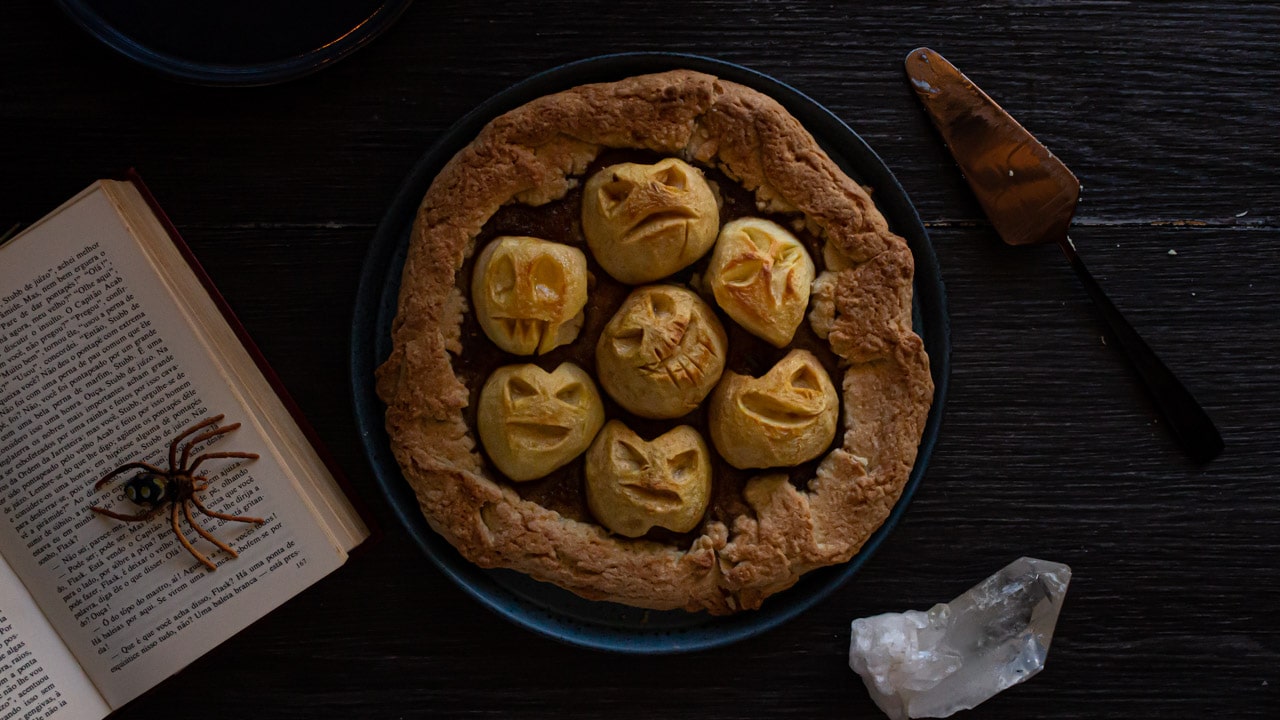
{"points": [[173, 446], [187, 543], [186, 449], [186, 510], [212, 513], [210, 456], [139, 517], [127, 466]]}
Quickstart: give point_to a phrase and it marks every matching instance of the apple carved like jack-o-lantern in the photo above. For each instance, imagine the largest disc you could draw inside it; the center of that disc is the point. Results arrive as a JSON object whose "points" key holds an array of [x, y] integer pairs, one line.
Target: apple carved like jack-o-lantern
{"points": [[645, 222], [662, 352], [783, 418], [761, 275], [532, 421], [634, 485], [529, 293]]}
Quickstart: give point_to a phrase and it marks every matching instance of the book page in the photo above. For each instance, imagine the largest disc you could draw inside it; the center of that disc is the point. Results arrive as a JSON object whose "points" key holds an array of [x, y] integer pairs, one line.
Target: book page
{"points": [[275, 422], [98, 368], [39, 678]]}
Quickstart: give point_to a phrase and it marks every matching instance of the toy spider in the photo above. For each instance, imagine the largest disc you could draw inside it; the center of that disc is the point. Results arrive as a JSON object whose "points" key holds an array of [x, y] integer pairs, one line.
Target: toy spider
{"points": [[153, 488]]}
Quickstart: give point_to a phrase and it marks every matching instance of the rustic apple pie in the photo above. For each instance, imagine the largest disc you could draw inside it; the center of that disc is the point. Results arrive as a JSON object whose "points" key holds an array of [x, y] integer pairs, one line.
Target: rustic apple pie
{"points": [[655, 347]]}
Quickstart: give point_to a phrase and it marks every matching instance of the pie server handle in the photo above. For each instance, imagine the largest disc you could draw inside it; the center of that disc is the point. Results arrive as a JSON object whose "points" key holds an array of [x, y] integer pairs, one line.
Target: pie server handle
{"points": [[1190, 424]]}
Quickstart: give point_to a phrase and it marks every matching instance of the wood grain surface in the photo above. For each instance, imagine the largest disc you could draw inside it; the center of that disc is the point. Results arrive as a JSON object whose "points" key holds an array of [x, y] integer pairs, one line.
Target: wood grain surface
{"points": [[1166, 111]]}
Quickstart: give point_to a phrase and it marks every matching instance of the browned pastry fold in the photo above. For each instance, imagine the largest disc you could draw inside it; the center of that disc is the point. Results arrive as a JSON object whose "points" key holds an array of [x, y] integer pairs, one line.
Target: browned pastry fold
{"points": [[862, 304]]}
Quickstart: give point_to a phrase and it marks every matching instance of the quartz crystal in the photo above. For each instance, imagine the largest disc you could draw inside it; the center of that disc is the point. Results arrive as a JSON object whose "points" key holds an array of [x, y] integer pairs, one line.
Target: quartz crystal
{"points": [[958, 654]]}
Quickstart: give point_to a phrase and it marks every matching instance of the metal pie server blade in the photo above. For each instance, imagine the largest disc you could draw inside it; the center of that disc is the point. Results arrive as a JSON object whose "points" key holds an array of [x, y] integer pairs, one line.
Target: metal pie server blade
{"points": [[1030, 197]]}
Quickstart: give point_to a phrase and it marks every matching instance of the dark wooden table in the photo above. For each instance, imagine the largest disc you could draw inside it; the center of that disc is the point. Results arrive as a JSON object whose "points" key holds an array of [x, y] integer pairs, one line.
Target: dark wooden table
{"points": [[1166, 111]]}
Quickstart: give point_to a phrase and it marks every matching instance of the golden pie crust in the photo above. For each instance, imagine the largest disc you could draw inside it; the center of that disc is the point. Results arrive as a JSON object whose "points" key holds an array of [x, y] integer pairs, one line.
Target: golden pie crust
{"points": [[861, 303]]}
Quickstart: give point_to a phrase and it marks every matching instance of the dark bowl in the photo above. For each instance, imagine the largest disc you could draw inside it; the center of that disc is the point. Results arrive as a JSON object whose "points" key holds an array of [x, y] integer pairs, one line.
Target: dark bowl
{"points": [[235, 42]]}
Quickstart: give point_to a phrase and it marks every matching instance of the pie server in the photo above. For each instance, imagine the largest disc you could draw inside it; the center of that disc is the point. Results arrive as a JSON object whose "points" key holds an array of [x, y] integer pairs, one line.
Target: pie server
{"points": [[1030, 196]]}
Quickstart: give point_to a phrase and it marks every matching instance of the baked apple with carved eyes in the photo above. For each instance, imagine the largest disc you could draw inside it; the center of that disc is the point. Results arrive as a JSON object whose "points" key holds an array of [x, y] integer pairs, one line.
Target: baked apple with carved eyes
{"points": [[662, 353], [634, 485], [783, 418], [532, 421], [529, 293], [645, 222], [760, 275]]}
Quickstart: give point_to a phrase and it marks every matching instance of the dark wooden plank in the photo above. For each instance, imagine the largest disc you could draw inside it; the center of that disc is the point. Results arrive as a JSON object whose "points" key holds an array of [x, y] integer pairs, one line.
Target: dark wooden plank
{"points": [[1157, 104], [1049, 448]]}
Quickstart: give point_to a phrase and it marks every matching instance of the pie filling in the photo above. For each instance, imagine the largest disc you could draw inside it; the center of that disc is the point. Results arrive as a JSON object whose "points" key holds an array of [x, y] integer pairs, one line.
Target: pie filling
{"points": [[564, 489]]}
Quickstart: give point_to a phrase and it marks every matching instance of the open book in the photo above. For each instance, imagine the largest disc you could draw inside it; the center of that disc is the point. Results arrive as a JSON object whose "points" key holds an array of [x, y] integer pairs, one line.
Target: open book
{"points": [[112, 341]]}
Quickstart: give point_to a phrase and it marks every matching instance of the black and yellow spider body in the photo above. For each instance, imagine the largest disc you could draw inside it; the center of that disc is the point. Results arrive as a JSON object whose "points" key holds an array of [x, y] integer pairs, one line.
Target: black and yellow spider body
{"points": [[178, 487], [148, 489]]}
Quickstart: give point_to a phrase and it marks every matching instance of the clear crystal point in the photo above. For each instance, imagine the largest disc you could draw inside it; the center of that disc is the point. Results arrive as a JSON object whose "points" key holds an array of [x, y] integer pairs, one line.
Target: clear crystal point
{"points": [[958, 654]]}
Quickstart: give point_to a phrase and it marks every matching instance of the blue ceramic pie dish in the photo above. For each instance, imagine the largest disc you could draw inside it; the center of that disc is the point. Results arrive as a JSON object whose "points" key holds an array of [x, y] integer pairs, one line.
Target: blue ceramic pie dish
{"points": [[548, 609]]}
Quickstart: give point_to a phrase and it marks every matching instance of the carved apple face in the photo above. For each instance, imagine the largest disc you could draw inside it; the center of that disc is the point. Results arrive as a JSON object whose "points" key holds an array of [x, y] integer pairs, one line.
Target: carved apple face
{"points": [[784, 418], [645, 222], [633, 485], [662, 352], [532, 421], [760, 275], [528, 293]]}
